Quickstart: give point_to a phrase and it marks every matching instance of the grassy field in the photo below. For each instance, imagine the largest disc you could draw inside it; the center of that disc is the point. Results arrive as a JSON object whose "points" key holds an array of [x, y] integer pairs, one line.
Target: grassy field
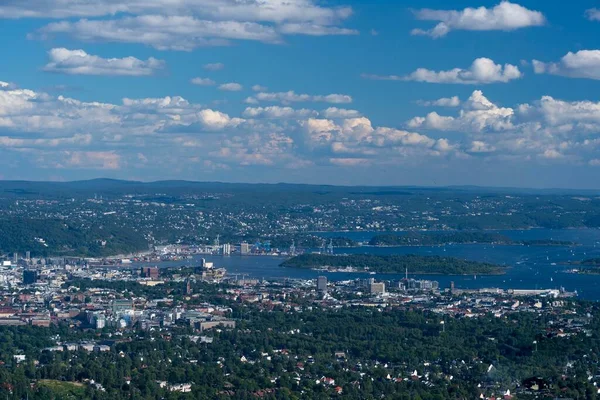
{"points": [[64, 390]]}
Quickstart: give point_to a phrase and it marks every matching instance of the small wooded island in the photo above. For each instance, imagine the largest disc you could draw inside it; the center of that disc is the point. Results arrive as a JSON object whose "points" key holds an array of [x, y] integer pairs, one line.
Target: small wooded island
{"points": [[590, 266], [432, 265]]}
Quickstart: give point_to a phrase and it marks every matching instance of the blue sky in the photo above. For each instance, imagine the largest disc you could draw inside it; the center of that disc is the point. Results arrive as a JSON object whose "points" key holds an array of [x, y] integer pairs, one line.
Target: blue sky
{"points": [[424, 92]]}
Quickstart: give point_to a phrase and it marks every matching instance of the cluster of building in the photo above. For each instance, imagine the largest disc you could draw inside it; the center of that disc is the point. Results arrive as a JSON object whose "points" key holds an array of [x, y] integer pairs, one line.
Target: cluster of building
{"points": [[30, 295], [39, 296]]}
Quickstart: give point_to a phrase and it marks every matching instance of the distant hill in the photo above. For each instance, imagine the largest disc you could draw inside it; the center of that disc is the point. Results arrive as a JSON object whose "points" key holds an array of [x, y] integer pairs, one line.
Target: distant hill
{"points": [[109, 187]]}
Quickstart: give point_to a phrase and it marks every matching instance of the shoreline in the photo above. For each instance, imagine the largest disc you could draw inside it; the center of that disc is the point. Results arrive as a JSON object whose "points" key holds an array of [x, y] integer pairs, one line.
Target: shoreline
{"points": [[396, 272]]}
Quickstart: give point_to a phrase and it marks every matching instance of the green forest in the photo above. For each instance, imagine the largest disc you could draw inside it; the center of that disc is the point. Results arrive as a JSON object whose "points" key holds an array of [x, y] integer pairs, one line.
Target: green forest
{"points": [[442, 238], [55, 237], [380, 343]]}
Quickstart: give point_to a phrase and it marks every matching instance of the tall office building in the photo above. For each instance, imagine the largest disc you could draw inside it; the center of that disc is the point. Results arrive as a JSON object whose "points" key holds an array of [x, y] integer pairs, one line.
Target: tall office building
{"points": [[244, 248], [149, 272], [322, 284], [15, 257], [226, 249], [29, 276], [377, 287], [28, 255]]}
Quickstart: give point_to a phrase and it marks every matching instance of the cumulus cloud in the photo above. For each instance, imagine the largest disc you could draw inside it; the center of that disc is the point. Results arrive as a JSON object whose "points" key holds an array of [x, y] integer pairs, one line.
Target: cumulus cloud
{"points": [[216, 120], [92, 159], [593, 14], [549, 129], [202, 81], [358, 137], [277, 112], [505, 16], [314, 30], [453, 101], [259, 88], [78, 139], [162, 32], [62, 130], [559, 113], [275, 11], [350, 162], [293, 97], [257, 149], [478, 114], [214, 66], [27, 111], [231, 87], [78, 62], [184, 24], [583, 64], [334, 112], [479, 146], [482, 71]]}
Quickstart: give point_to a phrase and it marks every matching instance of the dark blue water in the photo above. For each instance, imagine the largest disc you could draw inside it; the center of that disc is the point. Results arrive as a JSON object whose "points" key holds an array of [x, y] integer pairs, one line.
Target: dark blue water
{"points": [[530, 267]]}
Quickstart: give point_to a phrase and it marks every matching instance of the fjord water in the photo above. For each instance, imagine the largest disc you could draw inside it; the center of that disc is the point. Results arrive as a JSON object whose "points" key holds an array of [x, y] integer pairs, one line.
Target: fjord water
{"points": [[530, 267]]}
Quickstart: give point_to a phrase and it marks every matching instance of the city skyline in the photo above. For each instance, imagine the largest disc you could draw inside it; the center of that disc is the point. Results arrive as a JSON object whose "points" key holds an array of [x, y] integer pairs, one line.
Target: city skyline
{"points": [[426, 93]]}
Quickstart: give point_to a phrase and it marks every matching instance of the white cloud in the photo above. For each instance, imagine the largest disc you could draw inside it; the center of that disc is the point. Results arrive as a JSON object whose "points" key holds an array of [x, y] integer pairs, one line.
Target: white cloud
{"points": [[78, 62], [275, 11], [202, 81], [181, 24], [257, 149], [583, 64], [350, 162], [549, 129], [231, 87], [453, 101], [163, 32], [214, 66], [505, 16], [78, 139], [277, 112], [216, 120], [478, 146], [478, 114], [482, 71], [60, 131], [559, 112], [357, 136], [593, 14], [259, 88], [552, 154], [92, 159], [291, 97], [334, 112], [314, 30]]}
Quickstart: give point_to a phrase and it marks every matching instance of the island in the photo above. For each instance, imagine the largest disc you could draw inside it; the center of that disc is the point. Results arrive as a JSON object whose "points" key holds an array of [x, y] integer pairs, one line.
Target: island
{"points": [[590, 266], [425, 265], [443, 238]]}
